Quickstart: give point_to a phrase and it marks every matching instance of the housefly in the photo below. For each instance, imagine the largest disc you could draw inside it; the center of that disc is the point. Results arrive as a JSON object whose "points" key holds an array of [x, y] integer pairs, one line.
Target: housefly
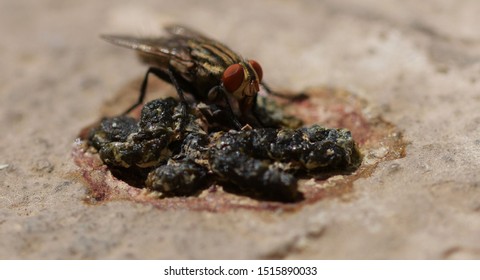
{"points": [[205, 68]]}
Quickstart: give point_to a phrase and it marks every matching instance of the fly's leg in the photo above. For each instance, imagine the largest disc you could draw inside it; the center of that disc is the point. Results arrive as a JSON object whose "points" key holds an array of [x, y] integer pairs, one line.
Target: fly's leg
{"points": [[143, 90], [181, 95], [167, 75], [235, 121], [269, 114], [255, 112], [297, 97]]}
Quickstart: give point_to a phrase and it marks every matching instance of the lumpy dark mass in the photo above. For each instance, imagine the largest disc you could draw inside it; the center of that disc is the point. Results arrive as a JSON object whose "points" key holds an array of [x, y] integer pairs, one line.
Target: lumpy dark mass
{"points": [[169, 150]]}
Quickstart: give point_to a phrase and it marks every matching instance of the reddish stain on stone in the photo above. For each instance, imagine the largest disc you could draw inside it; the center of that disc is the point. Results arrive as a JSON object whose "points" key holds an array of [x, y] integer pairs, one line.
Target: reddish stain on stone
{"points": [[326, 106]]}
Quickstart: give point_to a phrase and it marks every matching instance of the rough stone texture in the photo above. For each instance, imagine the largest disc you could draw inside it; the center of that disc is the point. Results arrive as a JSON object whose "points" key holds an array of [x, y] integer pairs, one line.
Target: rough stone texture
{"points": [[417, 63]]}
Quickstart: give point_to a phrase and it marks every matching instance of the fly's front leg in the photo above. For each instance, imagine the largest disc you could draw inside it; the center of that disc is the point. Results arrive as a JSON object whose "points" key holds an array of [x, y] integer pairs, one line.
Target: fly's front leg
{"points": [[218, 91], [255, 112], [296, 97]]}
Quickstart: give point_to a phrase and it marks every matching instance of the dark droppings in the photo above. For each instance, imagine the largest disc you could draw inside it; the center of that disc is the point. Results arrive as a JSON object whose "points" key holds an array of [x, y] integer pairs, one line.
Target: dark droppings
{"points": [[178, 156], [177, 177]]}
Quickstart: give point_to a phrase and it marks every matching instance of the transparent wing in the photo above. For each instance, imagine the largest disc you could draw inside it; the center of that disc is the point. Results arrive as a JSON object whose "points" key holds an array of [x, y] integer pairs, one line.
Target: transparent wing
{"points": [[164, 48], [181, 31], [185, 31]]}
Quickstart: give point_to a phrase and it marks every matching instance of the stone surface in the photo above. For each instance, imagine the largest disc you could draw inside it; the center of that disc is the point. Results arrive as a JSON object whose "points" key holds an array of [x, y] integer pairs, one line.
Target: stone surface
{"points": [[416, 64]]}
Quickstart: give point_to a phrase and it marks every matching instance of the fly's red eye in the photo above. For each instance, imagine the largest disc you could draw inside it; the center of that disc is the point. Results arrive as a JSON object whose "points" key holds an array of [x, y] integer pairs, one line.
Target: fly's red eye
{"points": [[258, 69], [233, 77]]}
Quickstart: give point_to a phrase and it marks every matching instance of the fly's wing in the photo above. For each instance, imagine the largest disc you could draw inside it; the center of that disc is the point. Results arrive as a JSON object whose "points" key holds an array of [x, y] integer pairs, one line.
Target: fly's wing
{"points": [[181, 31], [184, 31], [174, 45], [156, 51]]}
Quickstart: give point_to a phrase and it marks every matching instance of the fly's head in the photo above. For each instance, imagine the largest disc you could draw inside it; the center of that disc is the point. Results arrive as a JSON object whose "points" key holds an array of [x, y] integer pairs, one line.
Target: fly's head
{"points": [[242, 80]]}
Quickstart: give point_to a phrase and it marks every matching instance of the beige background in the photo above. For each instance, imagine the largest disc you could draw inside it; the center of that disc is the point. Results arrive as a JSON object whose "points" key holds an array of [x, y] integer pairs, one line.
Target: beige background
{"points": [[416, 62]]}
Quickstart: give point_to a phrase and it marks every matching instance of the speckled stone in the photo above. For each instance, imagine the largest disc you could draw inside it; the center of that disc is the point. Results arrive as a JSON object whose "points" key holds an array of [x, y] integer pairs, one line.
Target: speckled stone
{"points": [[416, 64]]}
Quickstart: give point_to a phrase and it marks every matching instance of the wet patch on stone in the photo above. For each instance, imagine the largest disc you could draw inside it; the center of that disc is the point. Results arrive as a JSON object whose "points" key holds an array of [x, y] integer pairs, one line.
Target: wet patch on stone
{"points": [[377, 140]]}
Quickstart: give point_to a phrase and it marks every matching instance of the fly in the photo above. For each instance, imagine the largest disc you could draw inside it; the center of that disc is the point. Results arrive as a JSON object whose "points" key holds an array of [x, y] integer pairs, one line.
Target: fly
{"points": [[205, 68]]}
